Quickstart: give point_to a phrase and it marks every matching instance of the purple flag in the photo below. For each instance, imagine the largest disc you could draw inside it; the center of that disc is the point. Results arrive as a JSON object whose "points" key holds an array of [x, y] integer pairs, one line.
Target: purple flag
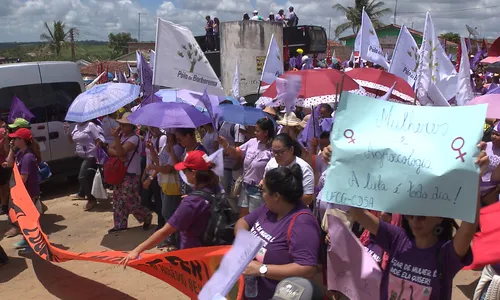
{"points": [[205, 99], [146, 76], [312, 128], [122, 78], [292, 63], [19, 110], [477, 58], [151, 98]]}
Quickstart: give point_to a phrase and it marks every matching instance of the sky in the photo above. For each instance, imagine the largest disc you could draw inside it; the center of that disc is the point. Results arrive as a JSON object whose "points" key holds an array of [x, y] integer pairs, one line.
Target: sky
{"points": [[22, 20]]}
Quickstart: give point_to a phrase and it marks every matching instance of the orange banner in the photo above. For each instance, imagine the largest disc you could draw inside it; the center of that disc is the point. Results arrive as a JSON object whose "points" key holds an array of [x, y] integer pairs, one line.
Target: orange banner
{"points": [[186, 270]]}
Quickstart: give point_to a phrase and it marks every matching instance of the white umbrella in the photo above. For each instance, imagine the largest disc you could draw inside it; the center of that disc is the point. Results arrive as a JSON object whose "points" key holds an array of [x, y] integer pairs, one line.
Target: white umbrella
{"points": [[102, 100]]}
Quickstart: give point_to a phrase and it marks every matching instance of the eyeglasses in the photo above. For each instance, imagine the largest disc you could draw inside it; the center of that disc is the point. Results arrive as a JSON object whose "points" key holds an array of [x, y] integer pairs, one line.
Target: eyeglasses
{"points": [[279, 152]]}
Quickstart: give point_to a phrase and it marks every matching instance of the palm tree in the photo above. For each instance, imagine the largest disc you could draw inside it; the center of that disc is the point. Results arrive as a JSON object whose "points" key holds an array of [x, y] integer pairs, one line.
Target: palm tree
{"points": [[57, 37], [374, 9]]}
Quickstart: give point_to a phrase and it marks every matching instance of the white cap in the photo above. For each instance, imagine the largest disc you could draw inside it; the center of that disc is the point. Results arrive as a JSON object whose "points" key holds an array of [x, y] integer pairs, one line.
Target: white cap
{"points": [[255, 12]]}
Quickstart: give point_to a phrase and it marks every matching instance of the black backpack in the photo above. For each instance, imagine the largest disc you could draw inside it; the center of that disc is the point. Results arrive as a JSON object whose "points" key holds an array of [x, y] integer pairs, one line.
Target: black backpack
{"points": [[220, 227]]}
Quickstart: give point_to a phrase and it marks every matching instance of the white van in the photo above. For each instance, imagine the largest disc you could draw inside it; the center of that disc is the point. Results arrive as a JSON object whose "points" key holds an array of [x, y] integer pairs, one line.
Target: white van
{"points": [[47, 89]]}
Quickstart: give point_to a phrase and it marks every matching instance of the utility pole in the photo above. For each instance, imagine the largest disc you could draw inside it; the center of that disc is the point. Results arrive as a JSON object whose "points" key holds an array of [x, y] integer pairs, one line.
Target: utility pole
{"points": [[329, 27], [139, 31], [72, 33], [395, 11]]}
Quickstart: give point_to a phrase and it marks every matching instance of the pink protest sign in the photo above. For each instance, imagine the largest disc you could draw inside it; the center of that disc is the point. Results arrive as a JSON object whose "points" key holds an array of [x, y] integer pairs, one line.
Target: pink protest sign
{"points": [[351, 269]]}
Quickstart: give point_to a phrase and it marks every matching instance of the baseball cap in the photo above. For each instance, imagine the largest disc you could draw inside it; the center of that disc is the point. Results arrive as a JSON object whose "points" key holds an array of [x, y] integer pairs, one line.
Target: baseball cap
{"points": [[297, 288], [195, 160], [22, 133], [20, 123]]}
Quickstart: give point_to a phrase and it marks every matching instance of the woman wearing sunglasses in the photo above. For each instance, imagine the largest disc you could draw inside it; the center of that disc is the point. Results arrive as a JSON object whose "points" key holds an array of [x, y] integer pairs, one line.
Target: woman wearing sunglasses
{"points": [[287, 152], [424, 254]]}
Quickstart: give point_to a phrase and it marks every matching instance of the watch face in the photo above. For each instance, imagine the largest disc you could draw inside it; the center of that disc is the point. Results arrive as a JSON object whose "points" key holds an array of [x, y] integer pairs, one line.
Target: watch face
{"points": [[263, 269]]}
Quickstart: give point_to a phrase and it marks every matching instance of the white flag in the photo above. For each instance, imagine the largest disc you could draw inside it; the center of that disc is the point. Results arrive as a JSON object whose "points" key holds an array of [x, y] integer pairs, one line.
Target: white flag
{"points": [[352, 57], [436, 77], [387, 95], [405, 57], [357, 42], [181, 63], [370, 49], [236, 82], [218, 160], [273, 66], [464, 88], [152, 56], [138, 55]]}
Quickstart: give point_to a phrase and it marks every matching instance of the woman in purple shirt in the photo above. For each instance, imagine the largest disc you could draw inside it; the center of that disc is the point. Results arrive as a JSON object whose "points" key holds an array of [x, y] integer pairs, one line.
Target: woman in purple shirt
{"points": [[28, 167], [290, 233], [192, 215], [424, 254], [255, 153]]}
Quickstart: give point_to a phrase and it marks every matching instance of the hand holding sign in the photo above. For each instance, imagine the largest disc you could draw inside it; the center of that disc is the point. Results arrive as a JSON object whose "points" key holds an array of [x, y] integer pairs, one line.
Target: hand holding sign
{"points": [[405, 159]]}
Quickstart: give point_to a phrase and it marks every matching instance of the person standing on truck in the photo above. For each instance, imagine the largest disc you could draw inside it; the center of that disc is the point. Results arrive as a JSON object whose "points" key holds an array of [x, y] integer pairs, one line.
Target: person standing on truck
{"points": [[216, 34], [280, 17], [256, 16], [209, 34], [293, 20]]}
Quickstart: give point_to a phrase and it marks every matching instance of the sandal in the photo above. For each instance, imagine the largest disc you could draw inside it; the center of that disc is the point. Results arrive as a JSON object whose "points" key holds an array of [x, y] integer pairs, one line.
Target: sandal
{"points": [[116, 230], [147, 222]]}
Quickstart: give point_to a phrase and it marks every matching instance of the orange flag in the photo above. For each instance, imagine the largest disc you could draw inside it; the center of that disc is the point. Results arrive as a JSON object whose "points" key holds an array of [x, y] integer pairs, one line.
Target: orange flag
{"points": [[186, 270]]}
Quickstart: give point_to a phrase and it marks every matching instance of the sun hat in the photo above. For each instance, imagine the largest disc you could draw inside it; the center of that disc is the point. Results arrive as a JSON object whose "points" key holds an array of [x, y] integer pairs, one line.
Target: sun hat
{"points": [[304, 121], [20, 123], [290, 119], [270, 110], [195, 160], [22, 133], [123, 119], [297, 288]]}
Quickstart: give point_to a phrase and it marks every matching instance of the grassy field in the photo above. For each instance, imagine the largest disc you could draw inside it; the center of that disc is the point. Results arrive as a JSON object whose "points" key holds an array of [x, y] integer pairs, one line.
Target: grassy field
{"points": [[89, 51]]}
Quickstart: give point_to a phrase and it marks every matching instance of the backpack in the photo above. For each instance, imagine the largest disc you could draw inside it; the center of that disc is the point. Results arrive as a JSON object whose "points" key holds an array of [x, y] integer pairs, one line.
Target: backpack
{"points": [[220, 227]]}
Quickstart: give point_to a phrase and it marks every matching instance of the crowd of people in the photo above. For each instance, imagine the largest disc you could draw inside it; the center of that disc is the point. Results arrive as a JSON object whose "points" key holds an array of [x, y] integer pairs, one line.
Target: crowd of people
{"points": [[273, 178], [212, 26]]}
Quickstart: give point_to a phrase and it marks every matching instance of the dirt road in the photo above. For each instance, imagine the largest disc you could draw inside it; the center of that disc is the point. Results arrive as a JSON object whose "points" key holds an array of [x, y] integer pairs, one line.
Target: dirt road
{"points": [[70, 227]]}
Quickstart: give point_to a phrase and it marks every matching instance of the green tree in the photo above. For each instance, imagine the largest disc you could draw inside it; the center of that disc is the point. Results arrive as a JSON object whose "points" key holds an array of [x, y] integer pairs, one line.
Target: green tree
{"points": [[374, 9], [118, 43], [451, 37], [57, 37]]}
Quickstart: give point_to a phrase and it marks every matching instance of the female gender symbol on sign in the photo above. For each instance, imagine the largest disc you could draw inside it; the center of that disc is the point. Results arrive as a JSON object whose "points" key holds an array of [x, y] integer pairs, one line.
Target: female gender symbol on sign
{"points": [[459, 149], [350, 136]]}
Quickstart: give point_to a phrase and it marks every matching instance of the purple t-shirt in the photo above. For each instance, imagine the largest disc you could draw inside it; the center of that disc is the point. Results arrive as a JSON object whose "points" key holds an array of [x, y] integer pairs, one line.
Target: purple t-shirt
{"points": [[28, 165], [191, 219], [412, 273], [375, 250], [304, 242], [496, 267], [256, 155]]}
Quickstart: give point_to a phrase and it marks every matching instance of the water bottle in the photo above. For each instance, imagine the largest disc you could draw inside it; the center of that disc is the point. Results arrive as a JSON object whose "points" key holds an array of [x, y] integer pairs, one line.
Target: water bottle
{"points": [[251, 287]]}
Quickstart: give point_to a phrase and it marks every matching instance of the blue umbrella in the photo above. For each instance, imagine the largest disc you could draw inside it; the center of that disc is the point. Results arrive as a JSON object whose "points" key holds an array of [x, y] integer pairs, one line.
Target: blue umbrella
{"points": [[169, 115], [243, 115], [101, 100], [494, 91]]}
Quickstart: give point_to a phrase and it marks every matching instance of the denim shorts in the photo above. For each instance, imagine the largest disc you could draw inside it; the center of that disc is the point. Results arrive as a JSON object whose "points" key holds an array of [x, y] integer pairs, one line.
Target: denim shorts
{"points": [[250, 197]]}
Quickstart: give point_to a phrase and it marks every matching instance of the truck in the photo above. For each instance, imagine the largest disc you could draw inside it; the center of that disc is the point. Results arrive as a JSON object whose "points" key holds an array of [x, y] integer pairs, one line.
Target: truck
{"points": [[246, 42]]}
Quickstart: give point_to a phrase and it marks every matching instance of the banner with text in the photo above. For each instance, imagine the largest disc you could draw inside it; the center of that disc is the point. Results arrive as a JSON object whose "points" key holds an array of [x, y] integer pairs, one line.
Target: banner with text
{"points": [[405, 159], [180, 62], [186, 270]]}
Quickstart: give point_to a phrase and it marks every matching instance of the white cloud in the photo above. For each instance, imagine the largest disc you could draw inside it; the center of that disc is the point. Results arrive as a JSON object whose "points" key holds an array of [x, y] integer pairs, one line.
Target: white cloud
{"points": [[22, 20]]}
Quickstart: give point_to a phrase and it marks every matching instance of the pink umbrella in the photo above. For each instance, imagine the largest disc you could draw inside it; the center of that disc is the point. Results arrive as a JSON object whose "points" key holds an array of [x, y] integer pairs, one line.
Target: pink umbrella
{"points": [[493, 101]]}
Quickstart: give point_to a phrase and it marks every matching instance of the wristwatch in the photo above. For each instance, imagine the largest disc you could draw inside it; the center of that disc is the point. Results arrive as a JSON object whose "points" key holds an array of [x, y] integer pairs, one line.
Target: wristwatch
{"points": [[263, 270]]}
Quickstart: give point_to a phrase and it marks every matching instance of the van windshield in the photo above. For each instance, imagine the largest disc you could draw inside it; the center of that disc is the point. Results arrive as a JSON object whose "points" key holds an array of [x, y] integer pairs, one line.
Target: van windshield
{"points": [[47, 101]]}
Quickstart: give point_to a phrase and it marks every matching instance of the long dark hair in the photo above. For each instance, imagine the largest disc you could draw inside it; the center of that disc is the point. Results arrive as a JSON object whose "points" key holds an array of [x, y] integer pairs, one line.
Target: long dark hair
{"points": [[288, 142], [216, 21], [286, 181], [267, 125], [448, 225]]}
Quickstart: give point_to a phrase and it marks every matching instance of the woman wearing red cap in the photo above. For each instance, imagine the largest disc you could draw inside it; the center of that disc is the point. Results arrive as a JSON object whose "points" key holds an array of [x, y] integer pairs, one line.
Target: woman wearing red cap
{"points": [[192, 215], [21, 152]]}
